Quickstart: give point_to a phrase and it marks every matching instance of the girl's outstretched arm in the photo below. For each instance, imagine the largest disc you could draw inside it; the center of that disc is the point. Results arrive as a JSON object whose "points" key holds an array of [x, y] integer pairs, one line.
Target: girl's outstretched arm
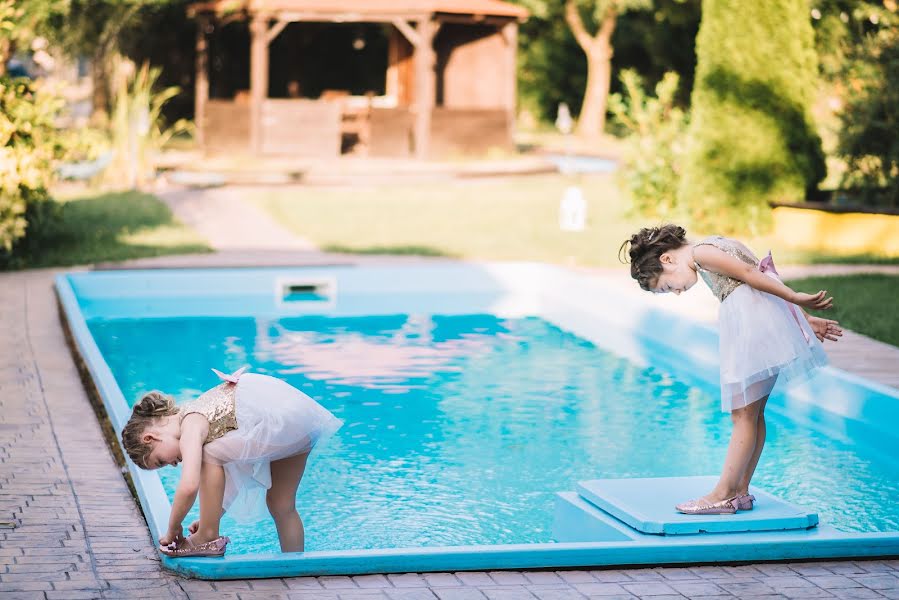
{"points": [[193, 432], [713, 259]]}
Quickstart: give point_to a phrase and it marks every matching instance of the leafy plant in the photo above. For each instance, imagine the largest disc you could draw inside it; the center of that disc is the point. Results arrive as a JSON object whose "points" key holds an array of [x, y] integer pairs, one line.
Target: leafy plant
{"points": [[652, 162], [751, 139], [869, 137], [137, 128], [27, 142]]}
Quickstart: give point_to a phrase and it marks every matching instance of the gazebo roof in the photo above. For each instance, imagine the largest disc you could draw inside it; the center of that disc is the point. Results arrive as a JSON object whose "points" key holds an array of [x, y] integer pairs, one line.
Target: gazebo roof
{"points": [[350, 10]]}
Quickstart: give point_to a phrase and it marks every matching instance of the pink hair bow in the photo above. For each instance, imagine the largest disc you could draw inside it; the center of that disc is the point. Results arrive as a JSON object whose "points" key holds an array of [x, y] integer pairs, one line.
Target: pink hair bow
{"points": [[766, 265], [233, 377]]}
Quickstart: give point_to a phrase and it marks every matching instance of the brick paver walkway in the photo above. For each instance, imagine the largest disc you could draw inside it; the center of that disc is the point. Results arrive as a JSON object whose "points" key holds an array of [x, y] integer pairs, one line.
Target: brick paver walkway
{"points": [[77, 532]]}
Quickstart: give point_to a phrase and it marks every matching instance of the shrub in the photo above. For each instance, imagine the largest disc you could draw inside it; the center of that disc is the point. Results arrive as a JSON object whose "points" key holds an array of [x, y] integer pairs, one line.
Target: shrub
{"points": [[27, 141], [651, 165], [869, 138], [136, 127], [751, 140]]}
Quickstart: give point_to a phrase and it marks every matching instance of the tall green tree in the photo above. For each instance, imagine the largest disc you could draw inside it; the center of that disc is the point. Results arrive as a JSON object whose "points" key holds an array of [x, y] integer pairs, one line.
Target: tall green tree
{"points": [[592, 23], [869, 119], [751, 139], [553, 68]]}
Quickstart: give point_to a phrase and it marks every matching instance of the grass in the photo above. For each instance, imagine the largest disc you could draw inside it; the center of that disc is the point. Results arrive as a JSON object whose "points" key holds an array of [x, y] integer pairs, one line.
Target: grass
{"points": [[507, 219], [110, 227], [863, 303]]}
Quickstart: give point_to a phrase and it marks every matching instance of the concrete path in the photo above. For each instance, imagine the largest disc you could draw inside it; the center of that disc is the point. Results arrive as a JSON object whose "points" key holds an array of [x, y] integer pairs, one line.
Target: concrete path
{"points": [[228, 222]]}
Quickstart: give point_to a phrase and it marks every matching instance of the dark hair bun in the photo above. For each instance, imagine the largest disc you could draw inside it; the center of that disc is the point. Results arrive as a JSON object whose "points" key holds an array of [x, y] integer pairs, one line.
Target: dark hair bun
{"points": [[646, 246], [651, 238], [154, 404]]}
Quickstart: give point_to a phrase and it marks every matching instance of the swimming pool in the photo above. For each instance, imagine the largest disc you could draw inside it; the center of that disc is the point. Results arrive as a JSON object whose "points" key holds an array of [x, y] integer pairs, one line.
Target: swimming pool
{"points": [[473, 395]]}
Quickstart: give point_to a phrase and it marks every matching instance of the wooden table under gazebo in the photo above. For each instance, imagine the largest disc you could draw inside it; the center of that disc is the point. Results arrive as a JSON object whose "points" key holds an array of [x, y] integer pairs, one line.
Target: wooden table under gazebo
{"points": [[391, 78]]}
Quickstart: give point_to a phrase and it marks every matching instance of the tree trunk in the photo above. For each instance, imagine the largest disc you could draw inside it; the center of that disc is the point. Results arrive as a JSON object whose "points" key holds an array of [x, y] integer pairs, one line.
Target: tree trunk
{"points": [[598, 48], [100, 96], [5, 51], [592, 118]]}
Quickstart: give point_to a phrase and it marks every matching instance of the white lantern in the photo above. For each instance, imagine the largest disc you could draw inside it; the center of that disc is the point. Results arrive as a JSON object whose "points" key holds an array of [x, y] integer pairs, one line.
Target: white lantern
{"points": [[572, 210]]}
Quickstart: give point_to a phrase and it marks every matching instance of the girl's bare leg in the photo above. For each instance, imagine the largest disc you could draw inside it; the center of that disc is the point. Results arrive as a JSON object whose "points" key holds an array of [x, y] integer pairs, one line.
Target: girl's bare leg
{"points": [[212, 492], [740, 451], [761, 430], [282, 501]]}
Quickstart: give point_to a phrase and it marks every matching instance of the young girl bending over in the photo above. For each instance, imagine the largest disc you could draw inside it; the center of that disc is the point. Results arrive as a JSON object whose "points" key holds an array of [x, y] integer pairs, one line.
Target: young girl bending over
{"points": [[241, 443], [764, 336]]}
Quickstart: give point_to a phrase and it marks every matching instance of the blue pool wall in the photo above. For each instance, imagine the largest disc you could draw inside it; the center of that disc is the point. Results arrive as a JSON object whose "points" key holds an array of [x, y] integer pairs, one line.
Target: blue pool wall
{"points": [[635, 327]]}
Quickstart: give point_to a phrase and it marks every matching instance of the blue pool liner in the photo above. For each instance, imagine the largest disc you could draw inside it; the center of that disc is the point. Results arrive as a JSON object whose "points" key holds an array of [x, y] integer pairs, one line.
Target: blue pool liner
{"points": [[844, 405]]}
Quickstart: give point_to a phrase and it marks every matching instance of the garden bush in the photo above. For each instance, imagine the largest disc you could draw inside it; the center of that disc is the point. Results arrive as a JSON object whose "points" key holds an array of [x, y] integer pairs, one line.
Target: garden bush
{"points": [[869, 137], [27, 142], [652, 162], [751, 139]]}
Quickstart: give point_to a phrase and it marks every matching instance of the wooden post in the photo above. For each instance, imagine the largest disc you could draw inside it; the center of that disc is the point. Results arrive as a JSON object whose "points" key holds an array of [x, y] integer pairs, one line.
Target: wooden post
{"points": [[201, 86], [392, 86], [258, 77], [424, 85], [510, 37]]}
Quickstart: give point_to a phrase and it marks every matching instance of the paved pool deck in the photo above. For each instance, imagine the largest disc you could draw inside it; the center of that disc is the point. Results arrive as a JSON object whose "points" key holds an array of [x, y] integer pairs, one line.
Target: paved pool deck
{"points": [[71, 529]]}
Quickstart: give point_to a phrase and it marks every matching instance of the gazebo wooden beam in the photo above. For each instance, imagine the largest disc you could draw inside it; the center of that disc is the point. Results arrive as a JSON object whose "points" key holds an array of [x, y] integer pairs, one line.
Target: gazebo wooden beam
{"points": [[509, 32], [425, 86], [277, 28], [261, 35], [408, 32], [258, 77], [473, 19], [201, 87], [338, 17]]}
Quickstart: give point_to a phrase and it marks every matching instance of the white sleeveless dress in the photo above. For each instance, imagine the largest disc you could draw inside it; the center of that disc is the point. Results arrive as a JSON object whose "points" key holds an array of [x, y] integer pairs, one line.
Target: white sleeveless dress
{"points": [[763, 339], [253, 421]]}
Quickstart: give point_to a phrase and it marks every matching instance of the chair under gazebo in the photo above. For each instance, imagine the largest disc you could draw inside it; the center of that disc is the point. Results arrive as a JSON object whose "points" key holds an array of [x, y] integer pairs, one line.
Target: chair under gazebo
{"points": [[386, 78]]}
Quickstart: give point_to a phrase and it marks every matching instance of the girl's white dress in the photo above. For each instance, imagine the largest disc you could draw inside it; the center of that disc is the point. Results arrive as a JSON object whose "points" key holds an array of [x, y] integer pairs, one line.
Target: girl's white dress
{"points": [[763, 339], [254, 420]]}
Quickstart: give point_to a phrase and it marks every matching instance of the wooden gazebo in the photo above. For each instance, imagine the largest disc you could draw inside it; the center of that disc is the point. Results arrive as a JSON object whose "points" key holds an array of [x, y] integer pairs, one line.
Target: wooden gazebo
{"points": [[448, 86]]}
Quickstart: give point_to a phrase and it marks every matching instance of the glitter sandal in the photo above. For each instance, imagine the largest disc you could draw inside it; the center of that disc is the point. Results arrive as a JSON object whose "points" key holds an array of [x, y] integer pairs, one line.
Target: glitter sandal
{"points": [[744, 501], [215, 548], [703, 507]]}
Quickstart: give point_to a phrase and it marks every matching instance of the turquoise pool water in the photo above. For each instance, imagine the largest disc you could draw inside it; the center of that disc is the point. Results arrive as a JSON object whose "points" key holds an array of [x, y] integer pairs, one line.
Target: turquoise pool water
{"points": [[459, 429]]}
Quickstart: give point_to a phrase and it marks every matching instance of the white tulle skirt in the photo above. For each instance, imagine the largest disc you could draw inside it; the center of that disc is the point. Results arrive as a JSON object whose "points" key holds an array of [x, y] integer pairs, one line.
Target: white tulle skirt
{"points": [[274, 421], [762, 341]]}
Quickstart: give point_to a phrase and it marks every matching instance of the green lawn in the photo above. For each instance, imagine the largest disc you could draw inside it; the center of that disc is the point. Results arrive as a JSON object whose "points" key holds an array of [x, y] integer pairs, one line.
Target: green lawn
{"points": [[501, 219], [111, 227], [863, 303]]}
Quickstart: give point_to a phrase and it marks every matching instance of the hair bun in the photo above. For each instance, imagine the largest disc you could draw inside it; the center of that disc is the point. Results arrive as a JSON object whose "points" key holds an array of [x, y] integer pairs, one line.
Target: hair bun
{"points": [[646, 246], [154, 404]]}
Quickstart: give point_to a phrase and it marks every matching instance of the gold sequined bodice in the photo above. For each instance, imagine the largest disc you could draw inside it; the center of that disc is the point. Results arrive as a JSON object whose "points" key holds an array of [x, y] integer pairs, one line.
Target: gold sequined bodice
{"points": [[218, 406], [723, 285]]}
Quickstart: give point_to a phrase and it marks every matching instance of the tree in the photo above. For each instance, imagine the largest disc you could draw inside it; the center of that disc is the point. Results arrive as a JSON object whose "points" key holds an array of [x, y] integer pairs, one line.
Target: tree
{"points": [[598, 49], [94, 29], [869, 137], [751, 139], [21, 20], [582, 16]]}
